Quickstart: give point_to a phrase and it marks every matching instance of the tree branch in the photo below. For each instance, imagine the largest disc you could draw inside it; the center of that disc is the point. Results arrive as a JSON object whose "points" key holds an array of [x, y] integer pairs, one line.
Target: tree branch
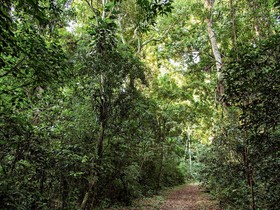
{"points": [[94, 10], [152, 39], [13, 68]]}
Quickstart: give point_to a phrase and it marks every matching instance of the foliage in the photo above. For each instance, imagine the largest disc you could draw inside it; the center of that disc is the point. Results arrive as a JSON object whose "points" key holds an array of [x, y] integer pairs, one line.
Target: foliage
{"points": [[76, 132], [252, 85], [104, 102], [249, 149]]}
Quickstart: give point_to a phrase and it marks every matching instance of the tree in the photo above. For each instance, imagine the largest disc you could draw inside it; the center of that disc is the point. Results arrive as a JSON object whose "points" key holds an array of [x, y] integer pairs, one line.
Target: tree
{"points": [[248, 147], [30, 62], [258, 66], [214, 45]]}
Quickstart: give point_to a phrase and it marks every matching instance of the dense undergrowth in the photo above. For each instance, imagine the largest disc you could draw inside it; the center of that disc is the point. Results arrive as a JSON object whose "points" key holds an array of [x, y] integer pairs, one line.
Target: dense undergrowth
{"points": [[241, 166]]}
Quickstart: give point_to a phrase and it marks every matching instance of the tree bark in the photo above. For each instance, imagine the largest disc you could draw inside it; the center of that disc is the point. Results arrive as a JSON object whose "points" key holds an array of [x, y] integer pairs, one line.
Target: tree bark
{"points": [[215, 49], [189, 150], [86, 196]]}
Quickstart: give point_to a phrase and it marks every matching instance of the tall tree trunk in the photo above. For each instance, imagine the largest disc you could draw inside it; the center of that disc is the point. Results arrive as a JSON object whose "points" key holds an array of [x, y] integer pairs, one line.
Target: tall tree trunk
{"points": [[233, 24], [90, 195], [189, 150], [252, 190], [64, 192], [162, 138], [215, 49], [160, 168], [249, 173], [254, 5], [89, 192]]}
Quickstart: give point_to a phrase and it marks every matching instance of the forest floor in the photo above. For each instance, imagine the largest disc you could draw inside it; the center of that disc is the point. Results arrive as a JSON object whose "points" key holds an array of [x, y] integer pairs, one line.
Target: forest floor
{"points": [[189, 196], [185, 197]]}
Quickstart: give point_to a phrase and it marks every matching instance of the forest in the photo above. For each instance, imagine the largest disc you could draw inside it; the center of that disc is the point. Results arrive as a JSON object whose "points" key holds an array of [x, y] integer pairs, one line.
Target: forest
{"points": [[103, 102]]}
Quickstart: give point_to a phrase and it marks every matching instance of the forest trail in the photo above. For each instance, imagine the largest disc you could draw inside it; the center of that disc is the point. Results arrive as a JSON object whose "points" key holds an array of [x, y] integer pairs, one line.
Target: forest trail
{"points": [[185, 197], [189, 196]]}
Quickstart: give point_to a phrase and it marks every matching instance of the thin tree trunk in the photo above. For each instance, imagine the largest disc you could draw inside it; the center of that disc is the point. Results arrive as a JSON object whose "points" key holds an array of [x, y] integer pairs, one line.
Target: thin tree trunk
{"points": [[86, 197], [100, 140], [189, 150], [252, 190], [90, 195], [249, 173], [121, 30], [84, 202], [255, 7], [246, 165], [217, 55], [161, 142], [215, 49], [233, 24], [64, 193], [160, 168], [186, 147]]}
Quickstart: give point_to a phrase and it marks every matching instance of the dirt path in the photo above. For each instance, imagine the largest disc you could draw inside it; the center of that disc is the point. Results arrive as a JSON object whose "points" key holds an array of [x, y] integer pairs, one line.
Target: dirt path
{"points": [[188, 197]]}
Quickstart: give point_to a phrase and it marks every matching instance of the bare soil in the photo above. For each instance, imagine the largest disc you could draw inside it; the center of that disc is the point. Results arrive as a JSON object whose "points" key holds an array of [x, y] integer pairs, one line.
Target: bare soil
{"points": [[185, 197], [191, 197]]}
